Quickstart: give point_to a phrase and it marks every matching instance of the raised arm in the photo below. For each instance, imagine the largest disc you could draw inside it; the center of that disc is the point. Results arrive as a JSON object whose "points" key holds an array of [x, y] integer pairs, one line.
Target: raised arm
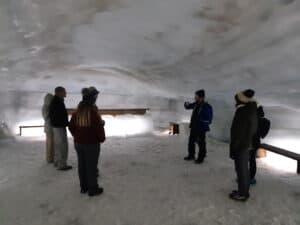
{"points": [[188, 105]]}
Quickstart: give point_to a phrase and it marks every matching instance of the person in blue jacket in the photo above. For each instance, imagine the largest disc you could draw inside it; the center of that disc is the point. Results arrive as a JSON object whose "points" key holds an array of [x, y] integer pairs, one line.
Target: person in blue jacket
{"points": [[201, 119]]}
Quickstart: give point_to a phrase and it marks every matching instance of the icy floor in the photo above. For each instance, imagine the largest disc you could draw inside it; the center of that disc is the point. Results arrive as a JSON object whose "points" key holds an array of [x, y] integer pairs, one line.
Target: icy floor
{"points": [[146, 183]]}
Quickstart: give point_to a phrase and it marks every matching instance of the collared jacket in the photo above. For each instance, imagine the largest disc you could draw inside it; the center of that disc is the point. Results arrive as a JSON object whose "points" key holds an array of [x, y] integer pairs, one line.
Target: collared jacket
{"points": [[202, 116]]}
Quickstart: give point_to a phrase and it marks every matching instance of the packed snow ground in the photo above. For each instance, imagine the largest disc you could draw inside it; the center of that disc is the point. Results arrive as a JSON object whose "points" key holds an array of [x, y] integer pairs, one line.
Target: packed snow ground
{"points": [[146, 182]]}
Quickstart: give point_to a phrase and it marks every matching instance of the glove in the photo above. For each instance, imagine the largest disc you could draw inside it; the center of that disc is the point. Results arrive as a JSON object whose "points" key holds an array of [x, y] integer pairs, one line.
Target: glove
{"points": [[186, 104]]}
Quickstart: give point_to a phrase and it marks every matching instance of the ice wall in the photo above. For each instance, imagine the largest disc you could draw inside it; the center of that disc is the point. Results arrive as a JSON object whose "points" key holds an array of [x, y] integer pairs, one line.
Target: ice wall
{"points": [[152, 53]]}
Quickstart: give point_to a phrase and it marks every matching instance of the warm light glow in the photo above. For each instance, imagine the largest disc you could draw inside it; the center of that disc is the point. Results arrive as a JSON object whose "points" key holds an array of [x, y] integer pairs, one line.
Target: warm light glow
{"points": [[280, 163], [127, 125], [114, 126]]}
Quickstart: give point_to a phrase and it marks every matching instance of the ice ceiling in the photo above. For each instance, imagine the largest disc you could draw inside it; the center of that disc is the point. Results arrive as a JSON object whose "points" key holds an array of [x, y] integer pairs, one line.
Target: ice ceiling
{"points": [[153, 49]]}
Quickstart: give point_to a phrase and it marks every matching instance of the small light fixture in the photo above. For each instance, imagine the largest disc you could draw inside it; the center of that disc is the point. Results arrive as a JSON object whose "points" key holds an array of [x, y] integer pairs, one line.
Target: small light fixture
{"points": [[174, 128]]}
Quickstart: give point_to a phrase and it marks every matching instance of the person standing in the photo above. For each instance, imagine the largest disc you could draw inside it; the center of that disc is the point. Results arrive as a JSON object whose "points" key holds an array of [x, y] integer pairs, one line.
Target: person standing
{"points": [[243, 130], [48, 129], [85, 94], [200, 120], [87, 128], [59, 121]]}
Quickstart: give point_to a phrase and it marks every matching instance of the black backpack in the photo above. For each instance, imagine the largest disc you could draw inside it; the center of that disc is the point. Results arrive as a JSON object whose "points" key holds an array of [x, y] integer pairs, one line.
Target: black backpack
{"points": [[264, 126]]}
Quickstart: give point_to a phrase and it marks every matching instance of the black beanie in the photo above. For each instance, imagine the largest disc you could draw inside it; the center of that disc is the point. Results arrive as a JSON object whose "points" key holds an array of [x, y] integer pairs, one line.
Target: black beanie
{"points": [[249, 93], [89, 95], [200, 93]]}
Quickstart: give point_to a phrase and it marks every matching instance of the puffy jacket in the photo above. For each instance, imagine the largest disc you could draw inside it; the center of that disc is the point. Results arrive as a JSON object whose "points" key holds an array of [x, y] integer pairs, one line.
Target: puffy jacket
{"points": [[88, 135], [202, 116], [243, 128], [57, 113]]}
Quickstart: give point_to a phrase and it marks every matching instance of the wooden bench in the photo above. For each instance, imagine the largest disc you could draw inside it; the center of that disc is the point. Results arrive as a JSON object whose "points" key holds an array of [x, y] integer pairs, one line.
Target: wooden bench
{"points": [[117, 112], [112, 112], [23, 127], [283, 152]]}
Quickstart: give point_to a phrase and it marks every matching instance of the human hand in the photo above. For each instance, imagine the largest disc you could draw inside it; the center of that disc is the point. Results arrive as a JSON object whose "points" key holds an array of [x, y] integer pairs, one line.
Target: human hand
{"points": [[186, 104]]}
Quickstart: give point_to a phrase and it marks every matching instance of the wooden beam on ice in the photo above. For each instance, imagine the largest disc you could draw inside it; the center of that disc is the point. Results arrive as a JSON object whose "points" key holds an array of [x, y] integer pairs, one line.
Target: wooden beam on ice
{"points": [[283, 152], [117, 112], [24, 127]]}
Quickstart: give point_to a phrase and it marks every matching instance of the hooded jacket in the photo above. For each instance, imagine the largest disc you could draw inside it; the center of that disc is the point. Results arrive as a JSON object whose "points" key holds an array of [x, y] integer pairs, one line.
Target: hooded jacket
{"points": [[45, 112], [243, 128]]}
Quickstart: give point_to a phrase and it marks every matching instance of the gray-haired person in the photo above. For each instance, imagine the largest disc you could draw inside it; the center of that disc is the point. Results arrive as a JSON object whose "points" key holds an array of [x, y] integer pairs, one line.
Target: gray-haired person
{"points": [[48, 128]]}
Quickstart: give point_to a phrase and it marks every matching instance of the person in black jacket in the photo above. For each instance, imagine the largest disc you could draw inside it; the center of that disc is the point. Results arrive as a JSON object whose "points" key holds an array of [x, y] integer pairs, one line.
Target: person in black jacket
{"points": [[243, 130], [201, 119], [59, 121]]}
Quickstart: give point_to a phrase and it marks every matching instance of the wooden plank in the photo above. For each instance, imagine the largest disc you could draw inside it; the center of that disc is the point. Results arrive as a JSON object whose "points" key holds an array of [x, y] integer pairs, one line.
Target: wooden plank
{"points": [[22, 127], [37, 126], [117, 112], [281, 151]]}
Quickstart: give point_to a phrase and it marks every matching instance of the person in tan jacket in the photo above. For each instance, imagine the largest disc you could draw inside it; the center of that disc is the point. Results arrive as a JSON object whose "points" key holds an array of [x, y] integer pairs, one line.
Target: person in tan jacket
{"points": [[48, 129]]}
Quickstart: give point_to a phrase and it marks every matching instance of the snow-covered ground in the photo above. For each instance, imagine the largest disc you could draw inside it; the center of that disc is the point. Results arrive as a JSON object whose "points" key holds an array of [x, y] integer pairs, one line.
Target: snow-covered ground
{"points": [[146, 182]]}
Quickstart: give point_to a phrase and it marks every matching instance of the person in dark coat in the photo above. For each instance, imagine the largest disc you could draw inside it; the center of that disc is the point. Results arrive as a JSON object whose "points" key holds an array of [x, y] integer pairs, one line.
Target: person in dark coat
{"points": [[87, 128], [243, 130], [59, 121], [201, 119]]}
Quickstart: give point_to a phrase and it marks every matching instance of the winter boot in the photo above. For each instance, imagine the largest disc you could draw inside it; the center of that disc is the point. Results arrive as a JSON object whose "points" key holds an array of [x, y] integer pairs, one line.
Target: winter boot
{"points": [[253, 181], [83, 190], [96, 192], [237, 197], [66, 168], [189, 158], [199, 161]]}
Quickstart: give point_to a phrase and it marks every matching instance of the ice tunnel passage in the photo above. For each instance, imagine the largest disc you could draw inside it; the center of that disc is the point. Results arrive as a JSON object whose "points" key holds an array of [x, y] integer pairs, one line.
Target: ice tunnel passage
{"points": [[154, 54]]}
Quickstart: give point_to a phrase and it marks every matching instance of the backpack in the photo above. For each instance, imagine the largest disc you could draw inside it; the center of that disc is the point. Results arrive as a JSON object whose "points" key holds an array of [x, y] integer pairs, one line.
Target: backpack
{"points": [[264, 126]]}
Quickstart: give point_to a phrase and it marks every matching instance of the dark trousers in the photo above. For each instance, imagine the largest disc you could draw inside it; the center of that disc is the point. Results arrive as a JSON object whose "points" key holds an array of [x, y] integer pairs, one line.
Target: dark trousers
{"points": [[199, 138], [242, 169], [252, 163], [98, 173], [87, 165]]}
